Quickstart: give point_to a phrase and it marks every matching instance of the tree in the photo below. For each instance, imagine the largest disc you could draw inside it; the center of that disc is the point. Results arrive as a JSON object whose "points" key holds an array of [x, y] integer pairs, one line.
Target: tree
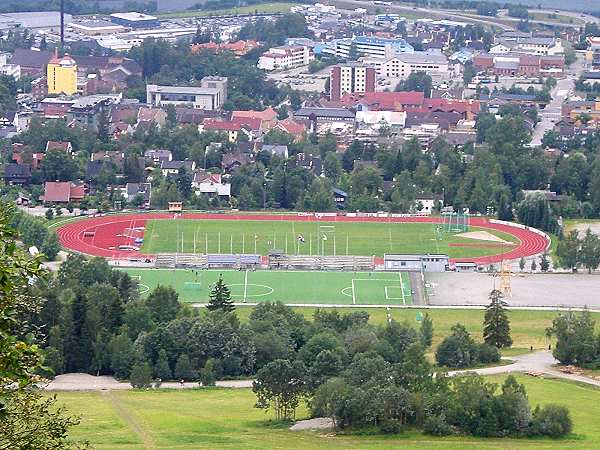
{"points": [[457, 350], [332, 167], [207, 373], [522, 264], [220, 297], [533, 265], [417, 81], [551, 420], [575, 340], [280, 385], [183, 368], [163, 303], [49, 214], [590, 251], [426, 332], [51, 246], [544, 262], [568, 251], [103, 126], [141, 376], [162, 369], [496, 326], [28, 419]]}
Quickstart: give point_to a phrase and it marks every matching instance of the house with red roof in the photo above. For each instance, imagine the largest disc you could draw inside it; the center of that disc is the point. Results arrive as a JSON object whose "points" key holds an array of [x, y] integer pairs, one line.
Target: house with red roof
{"points": [[63, 192], [64, 146], [383, 101], [293, 127], [239, 48], [251, 127], [267, 117]]}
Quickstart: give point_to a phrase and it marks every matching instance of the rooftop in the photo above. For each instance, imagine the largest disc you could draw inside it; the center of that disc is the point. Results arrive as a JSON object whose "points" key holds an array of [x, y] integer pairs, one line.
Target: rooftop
{"points": [[134, 16]]}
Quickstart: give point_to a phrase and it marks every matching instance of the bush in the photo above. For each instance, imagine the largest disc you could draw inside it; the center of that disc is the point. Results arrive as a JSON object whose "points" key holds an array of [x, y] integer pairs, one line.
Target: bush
{"points": [[437, 426], [141, 376], [487, 354], [49, 213], [207, 373], [551, 420], [391, 426]]}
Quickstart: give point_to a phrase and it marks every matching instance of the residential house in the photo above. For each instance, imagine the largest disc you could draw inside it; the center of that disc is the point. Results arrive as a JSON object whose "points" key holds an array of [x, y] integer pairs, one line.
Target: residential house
{"points": [[63, 192], [173, 167], [132, 190], [340, 197], [279, 150], [114, 157], [310, 162], [206, 183], [427, 202], [64, 146], [156, 116], [17, 174], [268, 117], [232, 161], [296, 128], [252, 128], [158, 155]]}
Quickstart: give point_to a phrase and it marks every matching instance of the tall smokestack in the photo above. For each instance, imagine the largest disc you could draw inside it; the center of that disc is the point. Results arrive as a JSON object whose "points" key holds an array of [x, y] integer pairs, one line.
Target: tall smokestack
{"points": [[62, 22]]}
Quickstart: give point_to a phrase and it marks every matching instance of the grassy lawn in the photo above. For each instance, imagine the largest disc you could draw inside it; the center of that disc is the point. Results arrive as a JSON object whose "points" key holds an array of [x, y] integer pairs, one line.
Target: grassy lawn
{"points": [[221, 418], [559, 18], [341, 238], [263, 8], [291, 287]]}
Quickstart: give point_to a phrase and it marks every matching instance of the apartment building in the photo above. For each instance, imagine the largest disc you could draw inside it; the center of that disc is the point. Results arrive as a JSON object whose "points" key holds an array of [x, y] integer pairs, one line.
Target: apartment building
{"points": [[210, 95], [402, 65], [286, 57], [368, 46], [351, 78]]}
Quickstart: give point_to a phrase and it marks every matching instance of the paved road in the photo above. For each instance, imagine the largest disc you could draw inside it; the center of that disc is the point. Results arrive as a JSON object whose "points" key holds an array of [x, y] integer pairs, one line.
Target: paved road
{"points": [[540, 362], [552, 112]]}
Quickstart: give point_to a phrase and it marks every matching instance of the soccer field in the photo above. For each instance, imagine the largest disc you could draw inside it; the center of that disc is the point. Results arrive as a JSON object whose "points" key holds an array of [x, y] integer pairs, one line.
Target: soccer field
{"points": [[313, 238], [290, 287]]}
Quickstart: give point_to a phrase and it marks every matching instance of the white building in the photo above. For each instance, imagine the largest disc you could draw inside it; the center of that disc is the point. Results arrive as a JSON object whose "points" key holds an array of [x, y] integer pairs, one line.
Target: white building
{"points": [[210, 95], [435, 64], [286, 57], [368, 46], [210, 184], [11, 70]]}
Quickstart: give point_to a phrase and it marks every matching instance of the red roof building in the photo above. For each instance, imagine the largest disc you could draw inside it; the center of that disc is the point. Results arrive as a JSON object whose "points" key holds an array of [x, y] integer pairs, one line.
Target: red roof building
{"points": [[62, 192], [59, 145], [384, 101]]}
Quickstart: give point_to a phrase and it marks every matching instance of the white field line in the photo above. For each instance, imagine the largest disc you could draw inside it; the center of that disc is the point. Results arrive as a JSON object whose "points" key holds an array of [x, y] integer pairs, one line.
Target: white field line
{"points": [[245, 285], [353, 293], [402, 288]]}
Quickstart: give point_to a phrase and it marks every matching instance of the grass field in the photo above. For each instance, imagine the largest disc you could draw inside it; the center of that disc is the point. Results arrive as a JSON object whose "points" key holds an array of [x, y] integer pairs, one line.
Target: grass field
{"points": [[329, 238], [263, 8], [221, 418], [291, 287]]}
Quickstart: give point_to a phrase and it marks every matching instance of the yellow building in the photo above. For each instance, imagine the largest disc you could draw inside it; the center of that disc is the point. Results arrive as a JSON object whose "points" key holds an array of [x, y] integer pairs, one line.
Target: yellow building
{"points": [[62, 75]]}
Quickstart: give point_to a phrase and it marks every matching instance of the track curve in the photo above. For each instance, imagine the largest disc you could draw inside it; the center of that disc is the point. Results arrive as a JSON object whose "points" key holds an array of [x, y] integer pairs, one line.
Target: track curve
{"points": [[105, 236]]}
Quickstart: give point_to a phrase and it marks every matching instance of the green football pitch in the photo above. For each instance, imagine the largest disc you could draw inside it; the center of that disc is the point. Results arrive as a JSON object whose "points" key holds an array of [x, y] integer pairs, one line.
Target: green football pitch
{"points": [[317, 238], [290, 287]]}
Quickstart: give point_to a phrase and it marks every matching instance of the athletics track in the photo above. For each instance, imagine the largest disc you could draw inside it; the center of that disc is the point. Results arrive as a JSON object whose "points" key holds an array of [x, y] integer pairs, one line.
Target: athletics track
{"points": [[102, 236]]}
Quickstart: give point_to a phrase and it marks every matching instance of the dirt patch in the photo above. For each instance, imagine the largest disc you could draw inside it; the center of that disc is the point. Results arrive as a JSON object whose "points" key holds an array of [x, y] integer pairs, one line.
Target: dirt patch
{"points": [[483, 236], [319, 423], [583, 227]]}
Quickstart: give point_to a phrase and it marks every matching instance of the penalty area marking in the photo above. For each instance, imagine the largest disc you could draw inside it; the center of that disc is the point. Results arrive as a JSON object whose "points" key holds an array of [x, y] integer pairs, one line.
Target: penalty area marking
{"points": [[388, 296], [143, 288], [269, 289]]}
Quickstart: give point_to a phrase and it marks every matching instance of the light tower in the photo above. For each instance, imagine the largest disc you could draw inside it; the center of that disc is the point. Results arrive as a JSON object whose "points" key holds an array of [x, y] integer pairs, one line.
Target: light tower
{"points": [[505, 283]]}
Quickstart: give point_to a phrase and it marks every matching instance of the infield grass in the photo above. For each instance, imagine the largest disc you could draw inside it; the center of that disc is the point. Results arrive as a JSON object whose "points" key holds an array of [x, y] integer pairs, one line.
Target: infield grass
{"points": [[313, 238], [291, 287], [226, 419]]}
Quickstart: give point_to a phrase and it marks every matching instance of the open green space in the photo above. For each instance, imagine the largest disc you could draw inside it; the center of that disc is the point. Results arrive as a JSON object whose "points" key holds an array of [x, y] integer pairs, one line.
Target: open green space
{"points": [[262, 8], [225, 418], [291, 287], [312, 238]]}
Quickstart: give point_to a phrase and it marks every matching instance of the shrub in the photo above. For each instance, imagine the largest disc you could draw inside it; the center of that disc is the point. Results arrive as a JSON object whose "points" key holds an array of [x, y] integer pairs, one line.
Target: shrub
{"points": [[391, 426], [437, 426], [487, 354], [551, 420]]}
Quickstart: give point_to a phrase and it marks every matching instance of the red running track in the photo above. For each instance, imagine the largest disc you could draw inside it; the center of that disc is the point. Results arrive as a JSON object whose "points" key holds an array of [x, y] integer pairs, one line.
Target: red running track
{"points": [[102, 236]]}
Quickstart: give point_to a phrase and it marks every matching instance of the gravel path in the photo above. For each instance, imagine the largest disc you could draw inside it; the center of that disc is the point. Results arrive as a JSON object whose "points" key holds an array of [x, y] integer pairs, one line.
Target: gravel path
{"points": [[535, 362]]}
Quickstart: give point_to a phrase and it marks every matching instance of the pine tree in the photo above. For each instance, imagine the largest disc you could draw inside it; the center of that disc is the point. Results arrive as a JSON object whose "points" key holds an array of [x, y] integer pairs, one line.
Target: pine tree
{"points": [[426, 332], [161, 368], [522, 263], [496, 326], [220, 297]]}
